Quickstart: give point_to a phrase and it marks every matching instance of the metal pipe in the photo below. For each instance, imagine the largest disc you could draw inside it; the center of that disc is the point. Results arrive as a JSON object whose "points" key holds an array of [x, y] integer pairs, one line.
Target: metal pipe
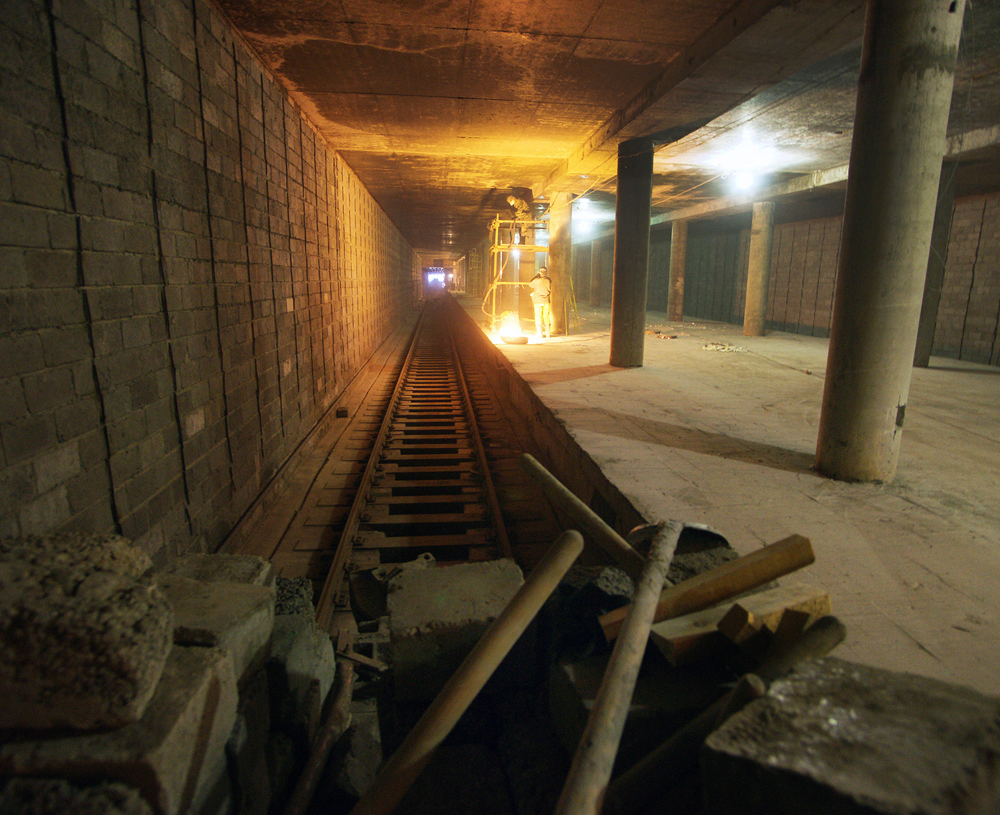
{"points": [[589, 522], [400, 771], [595, 756]]}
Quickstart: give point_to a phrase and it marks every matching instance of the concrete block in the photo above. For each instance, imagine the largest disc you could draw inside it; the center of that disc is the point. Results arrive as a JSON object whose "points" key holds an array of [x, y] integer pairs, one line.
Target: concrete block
{"points": [[303, 664], [235, 616], [52, 796], [84, 631], [849, 738], [247, 748], [174, 755], [436, 616]]}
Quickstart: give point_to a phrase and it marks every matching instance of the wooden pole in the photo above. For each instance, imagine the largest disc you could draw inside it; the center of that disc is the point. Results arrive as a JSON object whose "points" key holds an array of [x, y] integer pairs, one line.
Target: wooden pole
{"points": [[337, 721], [727, 580], [588, 777], [400, 771], [588, 521]]}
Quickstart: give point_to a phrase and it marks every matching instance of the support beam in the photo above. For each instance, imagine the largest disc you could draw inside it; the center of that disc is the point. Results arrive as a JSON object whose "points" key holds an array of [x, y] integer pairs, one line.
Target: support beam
{"points": [[940, 235], [678, 262], [631, 269], [761, 238], [904, 95]]}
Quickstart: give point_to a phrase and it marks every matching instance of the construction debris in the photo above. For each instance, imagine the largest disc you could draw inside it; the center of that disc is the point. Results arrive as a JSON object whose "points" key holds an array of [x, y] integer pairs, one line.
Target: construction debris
{"points": [[854, 739], [84, 631]]}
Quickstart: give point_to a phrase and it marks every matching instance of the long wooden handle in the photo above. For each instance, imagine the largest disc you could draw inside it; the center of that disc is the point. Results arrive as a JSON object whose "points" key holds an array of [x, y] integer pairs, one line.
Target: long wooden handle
{"points": [[727, 580], [399, 772], [585, 519], [595, 755]]}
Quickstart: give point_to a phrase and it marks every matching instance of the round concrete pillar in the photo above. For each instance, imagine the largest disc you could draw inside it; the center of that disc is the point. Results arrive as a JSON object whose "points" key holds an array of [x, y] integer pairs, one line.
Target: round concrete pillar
{"points": [[940, 236], [631, 269], [560, 256], [595, 274], [904, 96], [678, 260], [758, 269]]}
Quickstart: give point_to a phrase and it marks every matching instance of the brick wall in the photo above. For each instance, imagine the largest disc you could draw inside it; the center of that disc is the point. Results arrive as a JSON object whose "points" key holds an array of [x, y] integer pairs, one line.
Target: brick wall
{"points": [[189, 275], [804, 271]]}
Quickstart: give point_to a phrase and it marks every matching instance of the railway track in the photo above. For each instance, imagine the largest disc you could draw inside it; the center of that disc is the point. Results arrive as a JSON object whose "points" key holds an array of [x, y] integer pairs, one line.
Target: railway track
{"points": [[413, 474]]}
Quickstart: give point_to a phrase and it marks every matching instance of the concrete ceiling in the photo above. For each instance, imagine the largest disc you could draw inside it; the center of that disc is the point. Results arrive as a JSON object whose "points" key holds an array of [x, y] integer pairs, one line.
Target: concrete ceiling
{"points": [[445, 107]]}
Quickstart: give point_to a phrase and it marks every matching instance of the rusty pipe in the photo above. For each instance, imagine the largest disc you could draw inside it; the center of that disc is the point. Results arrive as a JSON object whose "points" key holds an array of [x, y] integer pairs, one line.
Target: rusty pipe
{"points": [[400, 771]]}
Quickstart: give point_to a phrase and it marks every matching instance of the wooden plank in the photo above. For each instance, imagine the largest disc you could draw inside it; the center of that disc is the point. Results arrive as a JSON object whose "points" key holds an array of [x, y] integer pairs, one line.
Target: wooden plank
{"points": [[731, 578], [745, 618], [378, 540], [686, 638], [380, 515], [313, 565]]}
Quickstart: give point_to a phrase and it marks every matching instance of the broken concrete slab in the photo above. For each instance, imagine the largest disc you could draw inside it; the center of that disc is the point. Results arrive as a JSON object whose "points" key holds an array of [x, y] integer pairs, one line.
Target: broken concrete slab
{"points": [[54, 796], [236, 616], [437, 615], [304, 665], [849, 738], [223, 568], [84, 631], [174, 755]]}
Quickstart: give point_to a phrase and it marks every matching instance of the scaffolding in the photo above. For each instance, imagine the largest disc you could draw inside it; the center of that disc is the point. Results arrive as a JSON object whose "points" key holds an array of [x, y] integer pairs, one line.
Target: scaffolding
{"points": [[505, 240]]}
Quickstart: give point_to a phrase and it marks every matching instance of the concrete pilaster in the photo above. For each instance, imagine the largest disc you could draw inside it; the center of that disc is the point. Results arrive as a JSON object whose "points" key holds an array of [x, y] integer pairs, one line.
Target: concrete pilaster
{"points": [[560, 256], [904, 96], [940, 235], [595, 273], [631, 269], [759, 269], [678, 260]]}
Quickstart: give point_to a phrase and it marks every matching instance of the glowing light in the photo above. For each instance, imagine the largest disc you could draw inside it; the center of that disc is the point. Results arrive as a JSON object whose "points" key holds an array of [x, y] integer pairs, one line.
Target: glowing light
{"points": [[745, 181], [510, 324], [583, 226], [583, 203]]}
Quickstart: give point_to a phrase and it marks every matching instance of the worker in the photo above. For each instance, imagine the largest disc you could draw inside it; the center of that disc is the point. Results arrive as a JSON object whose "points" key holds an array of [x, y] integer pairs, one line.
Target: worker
{"points": [[522, 212], [541, 299]]}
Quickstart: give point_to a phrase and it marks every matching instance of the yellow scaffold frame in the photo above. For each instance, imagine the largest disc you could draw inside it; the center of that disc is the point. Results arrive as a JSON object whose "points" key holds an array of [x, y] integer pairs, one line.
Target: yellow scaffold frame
{"points": [[502, 240]]}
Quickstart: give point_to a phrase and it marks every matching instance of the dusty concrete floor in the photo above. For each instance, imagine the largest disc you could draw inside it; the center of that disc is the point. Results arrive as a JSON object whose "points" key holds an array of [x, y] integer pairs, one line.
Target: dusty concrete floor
{"points": [[727, 438]]}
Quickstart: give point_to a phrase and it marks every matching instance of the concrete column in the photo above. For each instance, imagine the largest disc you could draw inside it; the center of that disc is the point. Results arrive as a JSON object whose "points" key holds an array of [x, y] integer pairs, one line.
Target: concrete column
{"points": [[678, 260], [759, 269], [560, 256], [631, 269], [904, 95], [595, 274], [940, 235]]}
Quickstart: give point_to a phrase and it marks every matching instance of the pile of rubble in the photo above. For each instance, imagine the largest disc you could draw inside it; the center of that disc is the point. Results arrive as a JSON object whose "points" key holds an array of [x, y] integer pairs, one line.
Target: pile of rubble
{"points": [[191, 690]]}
